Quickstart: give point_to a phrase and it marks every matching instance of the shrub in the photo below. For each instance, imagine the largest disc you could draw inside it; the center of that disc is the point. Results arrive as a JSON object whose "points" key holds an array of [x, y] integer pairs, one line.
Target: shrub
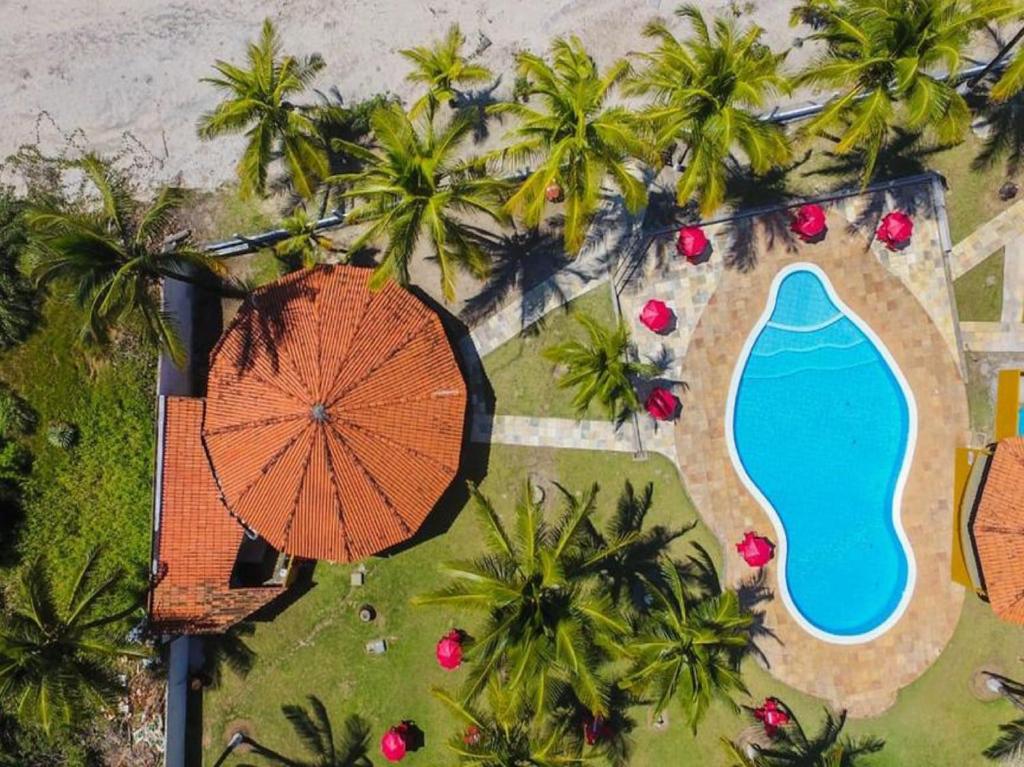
{"points": [[15, 461], [16, 415], [18, 313], [62, 434]]}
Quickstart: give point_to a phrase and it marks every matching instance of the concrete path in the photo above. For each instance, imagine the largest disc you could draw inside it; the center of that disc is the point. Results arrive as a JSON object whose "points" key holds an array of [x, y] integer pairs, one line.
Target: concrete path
{"points": [[1013, 281], [1005, 228]]}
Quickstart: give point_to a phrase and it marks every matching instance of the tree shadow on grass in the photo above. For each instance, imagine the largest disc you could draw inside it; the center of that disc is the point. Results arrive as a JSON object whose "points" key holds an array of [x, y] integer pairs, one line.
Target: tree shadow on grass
{"points": [[753, 591], [1005, 140]]}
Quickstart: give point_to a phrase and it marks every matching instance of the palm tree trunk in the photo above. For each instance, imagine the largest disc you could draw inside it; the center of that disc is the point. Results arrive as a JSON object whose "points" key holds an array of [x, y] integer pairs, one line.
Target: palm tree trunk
{"points": [[1003, 52]]}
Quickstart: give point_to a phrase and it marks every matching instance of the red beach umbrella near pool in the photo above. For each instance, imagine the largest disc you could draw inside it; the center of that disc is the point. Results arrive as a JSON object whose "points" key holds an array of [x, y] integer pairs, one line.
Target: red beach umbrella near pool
{"points": [[895, 229], [772, 715], [756, 550], [691, 243], [662, 404], [596, 729], [449, 650], [656, 315], [393, 744], [809, 222]]}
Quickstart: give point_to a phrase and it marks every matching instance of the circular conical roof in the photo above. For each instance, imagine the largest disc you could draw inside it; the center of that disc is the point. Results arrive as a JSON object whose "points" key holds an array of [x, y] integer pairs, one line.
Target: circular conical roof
{"points": [[334, 414]]}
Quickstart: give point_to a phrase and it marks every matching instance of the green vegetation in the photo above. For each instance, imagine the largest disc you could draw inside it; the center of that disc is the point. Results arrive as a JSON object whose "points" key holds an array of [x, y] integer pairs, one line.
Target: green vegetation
{"points": [[257, 103], [413, 187], [55, 649], [523, 381], [576, 139], [979, 292], [601, 369], [827, 747], [442, 69], [347, 748], [705, 91], [100, 492]]}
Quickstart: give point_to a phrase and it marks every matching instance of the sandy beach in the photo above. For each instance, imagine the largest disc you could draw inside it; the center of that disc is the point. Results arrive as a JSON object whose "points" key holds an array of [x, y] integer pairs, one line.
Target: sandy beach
{"points": [[127, 71]]}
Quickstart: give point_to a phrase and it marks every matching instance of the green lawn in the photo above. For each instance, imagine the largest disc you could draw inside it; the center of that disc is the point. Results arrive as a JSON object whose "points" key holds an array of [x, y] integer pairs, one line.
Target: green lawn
{"points": [[99, 492], [524, 382], [979, 292]]}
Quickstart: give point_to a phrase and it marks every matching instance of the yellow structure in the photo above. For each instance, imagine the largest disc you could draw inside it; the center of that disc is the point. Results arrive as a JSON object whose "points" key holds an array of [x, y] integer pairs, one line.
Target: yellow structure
{"points": [[1008, 402]]}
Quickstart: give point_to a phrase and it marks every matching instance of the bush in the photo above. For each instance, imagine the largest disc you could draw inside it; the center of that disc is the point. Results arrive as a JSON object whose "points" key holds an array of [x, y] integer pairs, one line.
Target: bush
{"points": [[62, 434], [16, 416], [15, 461], [18, 306]]}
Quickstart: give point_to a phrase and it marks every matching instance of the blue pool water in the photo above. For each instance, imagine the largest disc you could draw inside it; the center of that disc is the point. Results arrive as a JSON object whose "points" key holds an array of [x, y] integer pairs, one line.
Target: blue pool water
{"points": [[821, 427]]}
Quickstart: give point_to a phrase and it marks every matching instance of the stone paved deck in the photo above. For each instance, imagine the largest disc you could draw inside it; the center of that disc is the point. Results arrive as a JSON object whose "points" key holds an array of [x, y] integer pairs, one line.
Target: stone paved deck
{"points": [[863, 678]]}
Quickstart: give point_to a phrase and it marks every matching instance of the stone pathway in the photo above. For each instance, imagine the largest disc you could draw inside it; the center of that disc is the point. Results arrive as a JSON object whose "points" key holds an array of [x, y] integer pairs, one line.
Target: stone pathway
{"points": [[1007, 227], [1013, 281]]}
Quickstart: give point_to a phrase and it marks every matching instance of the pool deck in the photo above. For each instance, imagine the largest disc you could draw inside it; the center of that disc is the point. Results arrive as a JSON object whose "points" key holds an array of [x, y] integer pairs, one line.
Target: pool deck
{"points": [[905, 298]]}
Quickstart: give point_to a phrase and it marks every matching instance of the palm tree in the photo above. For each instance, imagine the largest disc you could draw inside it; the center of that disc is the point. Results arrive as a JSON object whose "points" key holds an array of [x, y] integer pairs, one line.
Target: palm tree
{"points": [[414, 186], [689, 648], [600, 369], [55, 655], [1011, 82], [17, 301], [1011, 735], [114, 257], [258, 103], [304, 246], [327, 749], [793, 747], [442, 69], [892, 61], [705, 90], [547, 620], [576, 139], [505, 734]]}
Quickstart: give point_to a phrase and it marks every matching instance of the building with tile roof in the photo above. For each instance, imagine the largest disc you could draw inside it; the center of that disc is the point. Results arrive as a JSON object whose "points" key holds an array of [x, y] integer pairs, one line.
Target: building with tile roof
{"points": [[332, 425]]}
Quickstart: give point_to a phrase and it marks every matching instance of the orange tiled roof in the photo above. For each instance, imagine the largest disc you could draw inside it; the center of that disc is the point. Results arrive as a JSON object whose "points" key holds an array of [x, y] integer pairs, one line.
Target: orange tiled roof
{"points": [[334, 414], [998, 530], [197, 540]]}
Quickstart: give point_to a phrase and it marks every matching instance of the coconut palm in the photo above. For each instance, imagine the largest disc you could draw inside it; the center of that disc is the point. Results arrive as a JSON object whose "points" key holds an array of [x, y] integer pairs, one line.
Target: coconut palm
{"points": [[442, 68], [326, 748], [305, 245], [892, 61], [413, 187], [689, 648], [706, 92], [17, 302], [1011, 735], [574, 139], [1011, 82], [258, 103], [504, 734], [115, 255], [547, 620], [793, 747], [600, 369], [56, 655]]}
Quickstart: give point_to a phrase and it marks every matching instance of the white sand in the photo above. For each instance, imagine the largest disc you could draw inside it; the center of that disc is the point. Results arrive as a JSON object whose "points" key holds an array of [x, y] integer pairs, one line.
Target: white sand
{"points": [[131, 67]]}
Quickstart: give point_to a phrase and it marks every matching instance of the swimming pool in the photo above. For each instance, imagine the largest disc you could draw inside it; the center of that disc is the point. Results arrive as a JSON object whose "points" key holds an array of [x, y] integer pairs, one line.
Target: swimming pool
{"points": [[821, 427]]}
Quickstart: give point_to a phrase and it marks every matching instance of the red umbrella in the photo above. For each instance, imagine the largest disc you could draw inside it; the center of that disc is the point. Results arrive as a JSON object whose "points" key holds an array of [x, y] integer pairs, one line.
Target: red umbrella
{"points": [[656, 315], [895, 229], [596, 729], [393, 744], [692, 242], [662, 404], [472, 736], [773, 715], [449, 650], [809, 222], [553, 192], [756, 550]]}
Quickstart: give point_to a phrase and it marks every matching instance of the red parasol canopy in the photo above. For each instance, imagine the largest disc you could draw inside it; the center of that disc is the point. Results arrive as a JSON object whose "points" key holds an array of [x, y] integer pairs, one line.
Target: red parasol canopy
{"points": [[553, 192], [692, 242], [596, 729], [393, 744], [773, 715], [895, 229], [472, 736], [656, 315], [809, 222], [756, 550], [333, 416], [449, 650], [662, 404]]}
